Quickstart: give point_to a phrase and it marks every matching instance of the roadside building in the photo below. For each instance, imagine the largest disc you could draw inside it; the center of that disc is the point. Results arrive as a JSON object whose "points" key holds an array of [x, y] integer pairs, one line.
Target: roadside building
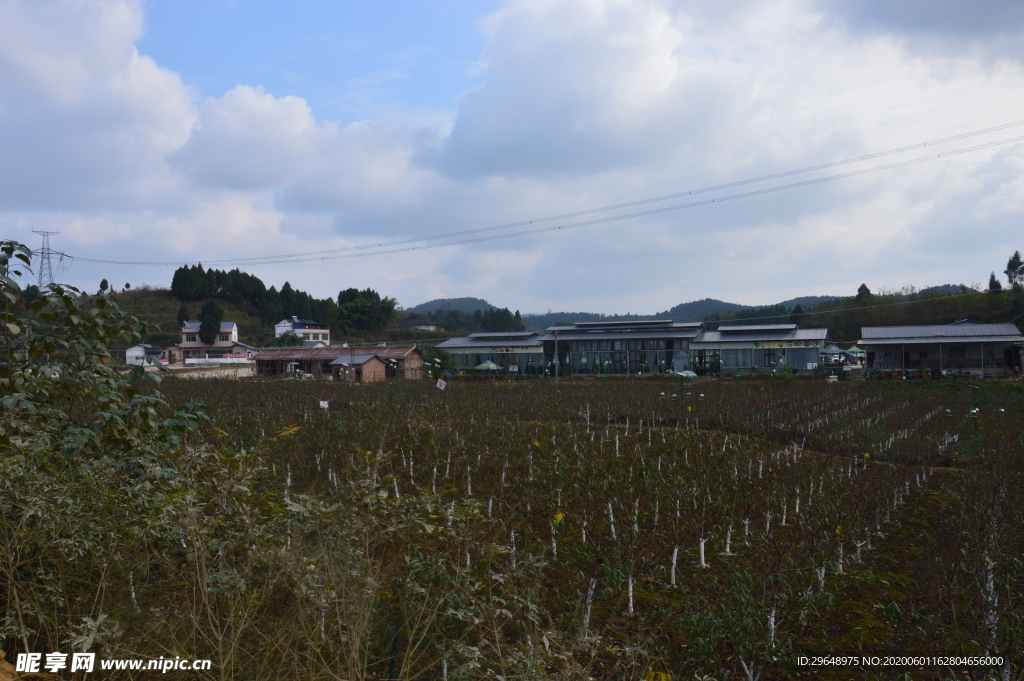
{"points": [[512, 351], [963, 348], [402, 361], [286, 362], [398, 361], [359, 368], [650, 346], [738, 348], [143, 353], [306, 329]]}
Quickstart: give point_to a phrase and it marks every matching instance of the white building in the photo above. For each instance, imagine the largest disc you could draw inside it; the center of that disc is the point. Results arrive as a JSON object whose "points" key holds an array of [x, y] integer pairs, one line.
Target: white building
{"points": [[143, 353], [306, 329]]}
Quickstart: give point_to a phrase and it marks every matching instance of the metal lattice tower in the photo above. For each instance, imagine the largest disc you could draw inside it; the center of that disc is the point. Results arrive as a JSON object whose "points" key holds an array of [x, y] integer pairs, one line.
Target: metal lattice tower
{"points": [[45, 267]]}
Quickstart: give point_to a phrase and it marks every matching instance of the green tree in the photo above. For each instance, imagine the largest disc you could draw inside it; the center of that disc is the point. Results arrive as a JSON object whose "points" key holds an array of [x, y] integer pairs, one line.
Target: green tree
{"points": [[1015, 270], [796, 315], [210, 317], [104, 285], [288, 339], [182, 315], [994, 285], [863, 292]]}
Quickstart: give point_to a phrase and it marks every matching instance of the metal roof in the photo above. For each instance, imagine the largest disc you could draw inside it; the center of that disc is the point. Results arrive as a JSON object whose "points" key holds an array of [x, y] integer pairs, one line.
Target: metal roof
{"points": [[385, 351], [504, 334], [935, 340], [752, 328], [354, 360], [960, 330], [472, 342], [194, 326], [313, 354], [667, 333], [625, 326], [792, 335], [616, 325]]}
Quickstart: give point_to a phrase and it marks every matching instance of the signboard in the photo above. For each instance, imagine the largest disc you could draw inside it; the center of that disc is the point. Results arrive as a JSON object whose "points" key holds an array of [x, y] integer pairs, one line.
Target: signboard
{"points": [[441, 384], [240, 354], [513, 369], [786, 344]]}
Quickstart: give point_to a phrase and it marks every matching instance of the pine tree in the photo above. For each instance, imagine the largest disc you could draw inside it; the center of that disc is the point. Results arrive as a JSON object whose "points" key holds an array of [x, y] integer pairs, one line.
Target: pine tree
{"points": [[210, 317], [863, 292], [182, 315], [1015, 269], [994, 285]]}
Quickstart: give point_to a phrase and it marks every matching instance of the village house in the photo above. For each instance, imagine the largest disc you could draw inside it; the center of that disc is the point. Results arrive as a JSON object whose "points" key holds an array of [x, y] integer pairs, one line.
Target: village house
{"points": [[963, 348], [306, 329], [360, 368], [396, 362], [143, 353], [226, 348]]}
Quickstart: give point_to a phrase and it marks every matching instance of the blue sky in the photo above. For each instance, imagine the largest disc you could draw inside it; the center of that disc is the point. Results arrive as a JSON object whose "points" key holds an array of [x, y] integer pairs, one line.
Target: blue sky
{"points": [[348, 60], [151, 133]]}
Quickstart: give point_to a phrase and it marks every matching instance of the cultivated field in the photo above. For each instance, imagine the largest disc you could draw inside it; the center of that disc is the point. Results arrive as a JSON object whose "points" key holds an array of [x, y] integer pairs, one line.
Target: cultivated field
{"points": [[607, 530]]}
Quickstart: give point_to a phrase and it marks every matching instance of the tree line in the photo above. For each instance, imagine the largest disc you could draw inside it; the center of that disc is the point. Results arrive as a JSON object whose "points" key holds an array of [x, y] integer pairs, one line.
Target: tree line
{"points": [[353, 312], [493, 320]]}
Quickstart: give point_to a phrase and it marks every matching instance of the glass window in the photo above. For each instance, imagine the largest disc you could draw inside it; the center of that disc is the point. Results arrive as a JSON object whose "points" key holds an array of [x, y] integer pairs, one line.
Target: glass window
{"points": [[190, 338], [957, 353], [224, 338], [316, 336], [617, 345]]}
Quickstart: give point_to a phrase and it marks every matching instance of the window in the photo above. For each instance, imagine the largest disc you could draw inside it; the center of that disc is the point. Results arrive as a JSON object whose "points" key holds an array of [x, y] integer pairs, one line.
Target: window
{"points": [[958, 353], [922, 355], [990, 354], [190, 338], [316, 336], [224, 338]]}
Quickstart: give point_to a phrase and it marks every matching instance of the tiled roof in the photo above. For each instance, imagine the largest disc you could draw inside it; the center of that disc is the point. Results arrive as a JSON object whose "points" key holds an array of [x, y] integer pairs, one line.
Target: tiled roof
{"points": [[791, 335], [959, 330], [194, 326]]}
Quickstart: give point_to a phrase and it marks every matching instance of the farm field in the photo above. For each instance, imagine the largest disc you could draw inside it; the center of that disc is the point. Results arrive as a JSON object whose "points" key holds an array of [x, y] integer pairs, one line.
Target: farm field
{"points": [[602, 530]]}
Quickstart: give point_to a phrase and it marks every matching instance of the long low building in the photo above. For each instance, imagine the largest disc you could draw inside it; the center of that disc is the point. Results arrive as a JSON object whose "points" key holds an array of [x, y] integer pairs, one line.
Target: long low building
{"points": [[520, 349], [757, 347], [648, 346], [963, 347], [644, 347], [397, 361]]}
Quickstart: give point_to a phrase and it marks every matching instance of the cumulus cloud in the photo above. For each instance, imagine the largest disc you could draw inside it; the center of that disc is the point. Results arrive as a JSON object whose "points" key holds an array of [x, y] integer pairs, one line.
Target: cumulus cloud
{"points": [[85, 121], [586, 103]]}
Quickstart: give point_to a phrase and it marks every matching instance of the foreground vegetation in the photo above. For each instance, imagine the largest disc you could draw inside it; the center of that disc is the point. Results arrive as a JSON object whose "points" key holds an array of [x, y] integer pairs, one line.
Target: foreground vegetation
{"points": [[621, 530]]}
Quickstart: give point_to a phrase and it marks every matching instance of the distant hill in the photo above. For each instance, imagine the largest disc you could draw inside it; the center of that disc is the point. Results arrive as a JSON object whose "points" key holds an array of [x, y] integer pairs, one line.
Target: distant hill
{"points": [[694, 311], [464, 305], [809, 301], [697, 310]]}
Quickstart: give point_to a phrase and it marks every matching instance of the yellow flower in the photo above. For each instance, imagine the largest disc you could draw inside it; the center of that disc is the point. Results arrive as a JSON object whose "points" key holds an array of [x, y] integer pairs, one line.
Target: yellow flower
{"points": [[536, 444], [867, 455], [839, 530], [558, 516]]}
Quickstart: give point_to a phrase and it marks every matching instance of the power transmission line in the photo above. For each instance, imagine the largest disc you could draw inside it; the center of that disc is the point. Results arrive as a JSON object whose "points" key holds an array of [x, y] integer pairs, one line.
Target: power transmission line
{"points": [[400, 246]]}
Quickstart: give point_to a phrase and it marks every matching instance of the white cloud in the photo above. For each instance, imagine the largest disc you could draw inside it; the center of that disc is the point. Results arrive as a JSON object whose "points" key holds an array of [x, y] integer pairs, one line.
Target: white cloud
{"points": [[586, 103]]}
